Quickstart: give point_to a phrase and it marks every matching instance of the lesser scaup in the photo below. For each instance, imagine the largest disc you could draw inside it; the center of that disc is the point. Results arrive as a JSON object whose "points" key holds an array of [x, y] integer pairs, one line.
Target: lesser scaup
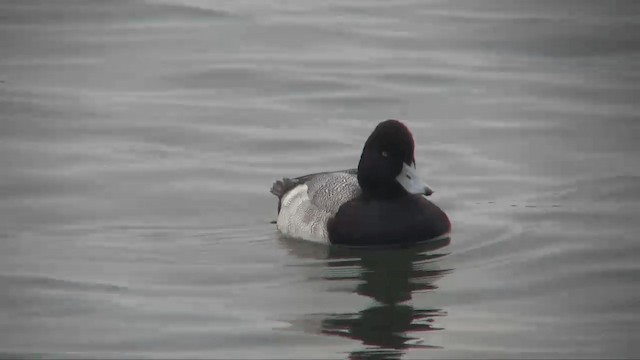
{"points": [[382, 202]]}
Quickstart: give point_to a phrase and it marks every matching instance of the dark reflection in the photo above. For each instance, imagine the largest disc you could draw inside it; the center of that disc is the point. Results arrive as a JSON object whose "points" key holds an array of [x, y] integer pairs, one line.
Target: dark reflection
{"points": [[390, 277]]}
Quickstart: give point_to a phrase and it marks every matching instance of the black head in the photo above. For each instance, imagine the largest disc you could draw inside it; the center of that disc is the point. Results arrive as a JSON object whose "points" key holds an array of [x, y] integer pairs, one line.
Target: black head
{"points": [[388, 153]]}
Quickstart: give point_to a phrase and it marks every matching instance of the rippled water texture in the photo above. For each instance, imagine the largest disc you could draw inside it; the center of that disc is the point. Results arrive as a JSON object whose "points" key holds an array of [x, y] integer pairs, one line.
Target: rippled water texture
{"points": [[139, 139]]}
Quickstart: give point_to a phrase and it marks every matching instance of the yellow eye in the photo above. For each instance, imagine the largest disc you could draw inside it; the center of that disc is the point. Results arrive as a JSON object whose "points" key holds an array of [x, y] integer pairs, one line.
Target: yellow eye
{"points": [[384, 154]]}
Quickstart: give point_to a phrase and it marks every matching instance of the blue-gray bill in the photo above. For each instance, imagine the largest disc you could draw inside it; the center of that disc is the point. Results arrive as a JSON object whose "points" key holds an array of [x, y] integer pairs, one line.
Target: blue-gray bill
{"points": [[411, 182]]}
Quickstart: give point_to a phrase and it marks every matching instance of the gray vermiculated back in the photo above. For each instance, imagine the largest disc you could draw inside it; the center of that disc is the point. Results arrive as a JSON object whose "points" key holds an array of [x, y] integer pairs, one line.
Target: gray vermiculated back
{"points": [[328, 191]]}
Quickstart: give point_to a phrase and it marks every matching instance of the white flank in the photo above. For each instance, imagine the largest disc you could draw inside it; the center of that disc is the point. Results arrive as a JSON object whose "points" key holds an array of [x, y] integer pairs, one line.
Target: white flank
{"points": [[300, 219]]}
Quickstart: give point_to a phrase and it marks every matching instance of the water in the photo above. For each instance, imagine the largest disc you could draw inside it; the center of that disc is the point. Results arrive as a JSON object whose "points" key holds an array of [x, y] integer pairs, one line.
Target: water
{"points": [[139, 139]]}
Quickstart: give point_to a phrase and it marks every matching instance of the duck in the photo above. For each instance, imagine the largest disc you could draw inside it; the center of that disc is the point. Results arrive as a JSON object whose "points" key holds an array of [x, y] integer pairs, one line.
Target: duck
{"points": [[382, 202]]}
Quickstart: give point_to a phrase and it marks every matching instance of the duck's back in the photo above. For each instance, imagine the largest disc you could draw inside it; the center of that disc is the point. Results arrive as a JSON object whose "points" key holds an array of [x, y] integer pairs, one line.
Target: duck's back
{"points": [[308, 202], [406, 220]]}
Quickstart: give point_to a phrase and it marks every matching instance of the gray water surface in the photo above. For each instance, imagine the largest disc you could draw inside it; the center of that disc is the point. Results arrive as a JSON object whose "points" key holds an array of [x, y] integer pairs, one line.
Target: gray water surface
{"points": [[139, 139]]}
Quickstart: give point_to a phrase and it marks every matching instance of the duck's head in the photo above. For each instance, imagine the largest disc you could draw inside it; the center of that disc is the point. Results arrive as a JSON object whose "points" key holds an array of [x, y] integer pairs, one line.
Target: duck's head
{"points": [[387, 167]]}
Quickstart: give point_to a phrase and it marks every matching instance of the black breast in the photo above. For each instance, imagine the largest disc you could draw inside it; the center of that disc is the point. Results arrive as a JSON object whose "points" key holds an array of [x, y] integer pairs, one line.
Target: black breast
{"points": [[401, 221]]}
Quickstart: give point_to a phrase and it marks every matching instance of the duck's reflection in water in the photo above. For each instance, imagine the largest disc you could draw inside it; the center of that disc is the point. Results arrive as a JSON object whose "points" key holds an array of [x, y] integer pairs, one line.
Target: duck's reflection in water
{"points": [[390, 277]]}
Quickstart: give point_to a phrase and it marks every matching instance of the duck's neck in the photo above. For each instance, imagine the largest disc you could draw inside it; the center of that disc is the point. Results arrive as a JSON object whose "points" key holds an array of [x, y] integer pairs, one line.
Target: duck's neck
{"points": [[383, 192]]}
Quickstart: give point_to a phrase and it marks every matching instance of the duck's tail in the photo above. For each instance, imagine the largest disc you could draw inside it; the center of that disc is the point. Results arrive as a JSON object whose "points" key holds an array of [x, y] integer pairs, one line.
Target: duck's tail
{"points": [[281, 187]]}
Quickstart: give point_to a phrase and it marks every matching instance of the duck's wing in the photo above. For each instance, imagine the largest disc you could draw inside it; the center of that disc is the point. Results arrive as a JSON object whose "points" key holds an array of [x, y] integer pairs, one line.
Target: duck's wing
{"points": [[305, 178], [281, 187], [326, 190]]}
